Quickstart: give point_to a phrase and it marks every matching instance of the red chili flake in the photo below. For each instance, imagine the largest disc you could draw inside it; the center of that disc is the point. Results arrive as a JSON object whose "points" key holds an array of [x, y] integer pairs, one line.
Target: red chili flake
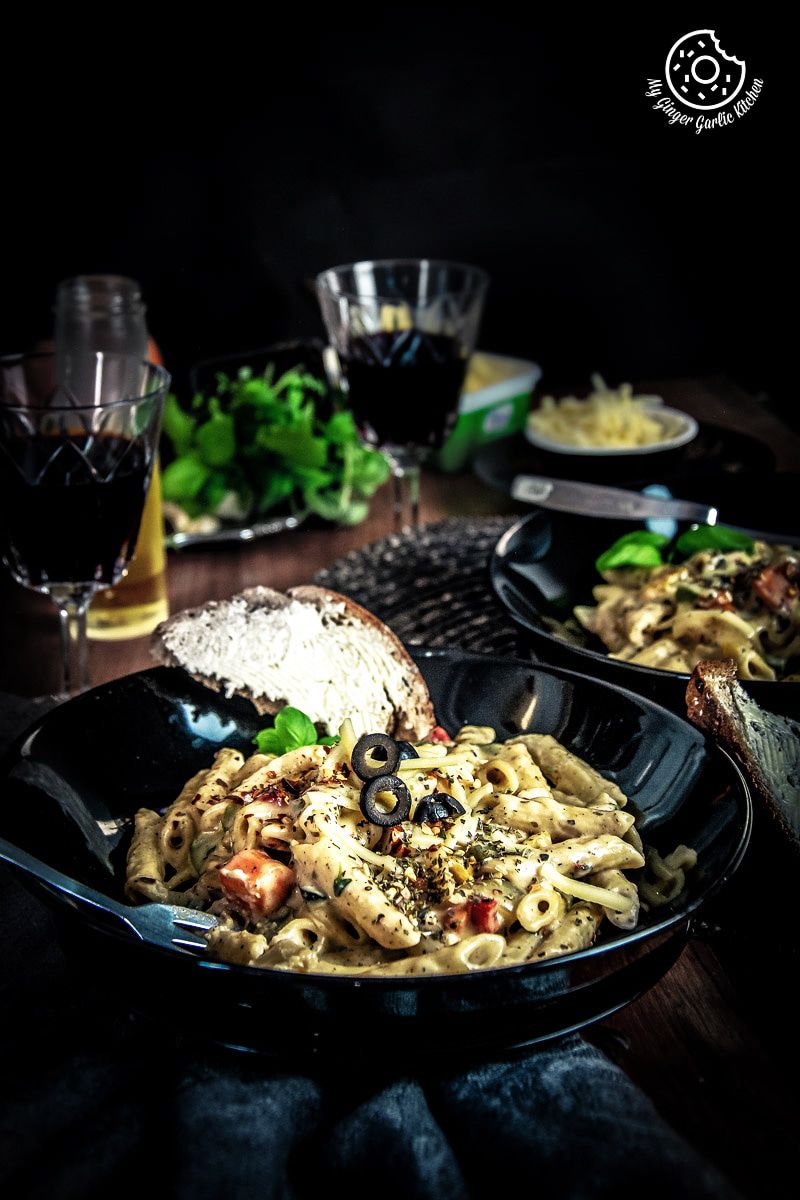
{"points": [[273, 793]]}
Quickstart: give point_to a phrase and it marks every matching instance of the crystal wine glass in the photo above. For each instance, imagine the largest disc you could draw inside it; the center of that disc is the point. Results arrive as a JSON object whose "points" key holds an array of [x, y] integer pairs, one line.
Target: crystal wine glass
{"points": [[74, 473], [403, 331]]}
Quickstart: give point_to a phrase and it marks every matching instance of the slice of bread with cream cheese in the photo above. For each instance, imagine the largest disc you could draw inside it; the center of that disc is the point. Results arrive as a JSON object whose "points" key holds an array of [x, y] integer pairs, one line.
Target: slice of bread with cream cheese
{"points": [[311, 648]]}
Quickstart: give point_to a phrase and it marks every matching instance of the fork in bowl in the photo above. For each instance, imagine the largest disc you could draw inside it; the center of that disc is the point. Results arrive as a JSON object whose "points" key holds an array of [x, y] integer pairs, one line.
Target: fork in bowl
{"points": [[160, 924]]}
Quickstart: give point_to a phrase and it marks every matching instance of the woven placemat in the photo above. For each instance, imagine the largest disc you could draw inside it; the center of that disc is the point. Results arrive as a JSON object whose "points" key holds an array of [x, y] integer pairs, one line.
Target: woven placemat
{"points": [[432, 587]]}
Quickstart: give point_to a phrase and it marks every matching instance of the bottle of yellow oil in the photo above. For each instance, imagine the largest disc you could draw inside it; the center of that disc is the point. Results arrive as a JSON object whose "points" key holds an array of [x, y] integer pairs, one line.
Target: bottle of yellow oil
{"points": [[139, 601]]}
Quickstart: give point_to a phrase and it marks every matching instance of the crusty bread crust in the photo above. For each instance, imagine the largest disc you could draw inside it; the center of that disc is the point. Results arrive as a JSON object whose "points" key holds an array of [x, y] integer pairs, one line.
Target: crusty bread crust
{"points": [[717, 704], [413, 712], [708, 695]]}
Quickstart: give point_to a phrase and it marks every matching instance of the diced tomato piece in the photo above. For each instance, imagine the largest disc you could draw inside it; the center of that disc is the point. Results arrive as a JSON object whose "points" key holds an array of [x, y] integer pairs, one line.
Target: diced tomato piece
{"points": [[439, 735], [484, 915], [255, 882], [772, 588], [396, 843], [455, 918]]}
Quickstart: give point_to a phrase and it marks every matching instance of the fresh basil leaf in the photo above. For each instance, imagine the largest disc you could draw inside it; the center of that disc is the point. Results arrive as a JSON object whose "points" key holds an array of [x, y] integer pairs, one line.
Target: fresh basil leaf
{"points": [[178, 425], [295, 445], [353, 513], [291, 730], [370, 470], [258, 393], [341, 429], [327, 504], [257, 443], [279, 485], [340, 883], [269, 741], [295, 728], [214, 491], [712, 537], [313, 477], [216, 439], [296, 378], [641, 548], [183, 478]]}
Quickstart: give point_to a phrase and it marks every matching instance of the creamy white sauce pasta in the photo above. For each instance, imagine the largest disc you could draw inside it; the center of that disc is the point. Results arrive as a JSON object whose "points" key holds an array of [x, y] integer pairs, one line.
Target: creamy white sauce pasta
{"points": [[743, 604], [525, 857]]}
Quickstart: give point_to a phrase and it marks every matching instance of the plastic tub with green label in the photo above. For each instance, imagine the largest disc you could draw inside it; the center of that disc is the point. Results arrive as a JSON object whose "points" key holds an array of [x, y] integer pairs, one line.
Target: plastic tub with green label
{"points": [[494, 404]]}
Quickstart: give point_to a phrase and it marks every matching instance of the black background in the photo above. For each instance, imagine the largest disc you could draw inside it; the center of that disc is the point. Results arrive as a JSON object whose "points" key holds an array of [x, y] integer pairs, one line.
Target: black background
{"points": [[227, 167]]}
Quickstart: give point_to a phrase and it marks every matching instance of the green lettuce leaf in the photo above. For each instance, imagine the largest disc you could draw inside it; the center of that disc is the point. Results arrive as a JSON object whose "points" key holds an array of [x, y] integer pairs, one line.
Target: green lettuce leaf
{"points": [[183, 478], [641, 548]]}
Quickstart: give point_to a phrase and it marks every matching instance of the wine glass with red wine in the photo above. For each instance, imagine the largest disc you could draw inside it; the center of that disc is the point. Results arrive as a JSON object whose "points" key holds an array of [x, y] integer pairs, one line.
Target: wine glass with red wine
{"points": [[74, 473], [403, 331]]}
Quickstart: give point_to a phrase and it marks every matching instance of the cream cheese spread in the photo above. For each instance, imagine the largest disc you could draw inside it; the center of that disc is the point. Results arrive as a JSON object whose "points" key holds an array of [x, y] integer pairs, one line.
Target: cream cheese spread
{"points": [[321, 661]]}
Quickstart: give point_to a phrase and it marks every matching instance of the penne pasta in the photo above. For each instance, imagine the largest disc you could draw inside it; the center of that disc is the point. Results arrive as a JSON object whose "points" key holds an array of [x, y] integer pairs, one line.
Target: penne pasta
{"points": [[503, 853], [575, 931], [145, 864]]}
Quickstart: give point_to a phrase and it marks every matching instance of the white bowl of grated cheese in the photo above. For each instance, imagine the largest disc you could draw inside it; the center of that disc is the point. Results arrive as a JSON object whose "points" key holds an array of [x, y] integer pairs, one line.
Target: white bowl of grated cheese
{"points": [[609, 422]]}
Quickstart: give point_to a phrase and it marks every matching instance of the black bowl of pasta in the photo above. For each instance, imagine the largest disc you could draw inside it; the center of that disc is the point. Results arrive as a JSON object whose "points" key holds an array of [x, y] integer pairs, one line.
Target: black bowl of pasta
{"points": [[659, 621], [73, 784]]}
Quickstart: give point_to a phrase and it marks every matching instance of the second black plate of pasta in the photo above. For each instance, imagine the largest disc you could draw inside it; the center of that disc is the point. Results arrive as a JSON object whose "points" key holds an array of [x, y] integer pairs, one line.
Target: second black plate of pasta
{"points": [[543, 573]]}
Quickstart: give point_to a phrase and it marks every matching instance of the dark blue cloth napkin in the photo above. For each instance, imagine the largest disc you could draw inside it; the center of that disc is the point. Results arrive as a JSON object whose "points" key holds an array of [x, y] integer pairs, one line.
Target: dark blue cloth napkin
{"points": [[97, 1102]]}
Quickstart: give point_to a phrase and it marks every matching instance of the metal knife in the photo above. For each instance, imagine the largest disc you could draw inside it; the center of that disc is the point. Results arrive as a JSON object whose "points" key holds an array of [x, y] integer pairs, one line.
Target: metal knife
{"points": [[596, 500]]}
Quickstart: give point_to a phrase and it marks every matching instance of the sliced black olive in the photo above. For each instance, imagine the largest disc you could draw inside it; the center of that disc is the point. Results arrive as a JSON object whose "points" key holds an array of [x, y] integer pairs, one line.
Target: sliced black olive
{"points": [[438, 807], [430, 810], [455, 806], [369, 800], [373, 755], [407, 750]]}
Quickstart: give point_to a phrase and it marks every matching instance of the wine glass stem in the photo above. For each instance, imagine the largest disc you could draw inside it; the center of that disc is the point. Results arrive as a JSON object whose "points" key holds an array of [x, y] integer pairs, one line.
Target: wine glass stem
{"points": [[72, 606], [406, 481]]}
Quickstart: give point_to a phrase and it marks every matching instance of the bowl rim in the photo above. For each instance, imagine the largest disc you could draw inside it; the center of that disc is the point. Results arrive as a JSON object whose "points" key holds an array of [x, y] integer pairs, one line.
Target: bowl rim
{"points": [[690, 430], [412, 982]]}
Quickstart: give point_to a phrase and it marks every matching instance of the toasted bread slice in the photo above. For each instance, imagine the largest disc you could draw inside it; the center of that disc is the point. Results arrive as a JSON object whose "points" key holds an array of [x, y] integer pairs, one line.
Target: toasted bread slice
{"points": [[767, 746], [311, 648]]}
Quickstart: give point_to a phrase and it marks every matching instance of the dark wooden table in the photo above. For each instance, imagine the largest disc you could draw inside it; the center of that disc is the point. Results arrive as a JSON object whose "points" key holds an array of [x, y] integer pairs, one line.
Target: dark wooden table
{"points": [[714, 1043]]}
